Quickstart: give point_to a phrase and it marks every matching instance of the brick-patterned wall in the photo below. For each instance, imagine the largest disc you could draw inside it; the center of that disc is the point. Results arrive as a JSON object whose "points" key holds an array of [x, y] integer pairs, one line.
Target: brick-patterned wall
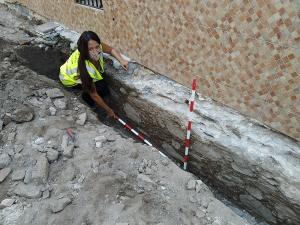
{"points": [[245, 53]]}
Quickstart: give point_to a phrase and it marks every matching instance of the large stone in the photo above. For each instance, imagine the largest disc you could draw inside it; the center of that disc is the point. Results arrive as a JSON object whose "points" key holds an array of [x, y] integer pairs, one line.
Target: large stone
{"points": [[40, 171], [68, 174], [258, 207], [7, 203], [68, 151], [59, 204], [7, 119], [18, 175], [132, 113], [4, 160], [46, 27], [52, 111], [4, 173], [144, 180], [81, 119], [67, 147], [191, 185], [60, 103], [54, 93], [52, 155], [23, 114], [28, 191]]}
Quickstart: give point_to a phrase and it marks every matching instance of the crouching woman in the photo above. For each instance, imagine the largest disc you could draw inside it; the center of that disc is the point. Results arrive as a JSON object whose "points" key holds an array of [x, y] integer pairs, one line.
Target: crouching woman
{"points": [[85, 67]]}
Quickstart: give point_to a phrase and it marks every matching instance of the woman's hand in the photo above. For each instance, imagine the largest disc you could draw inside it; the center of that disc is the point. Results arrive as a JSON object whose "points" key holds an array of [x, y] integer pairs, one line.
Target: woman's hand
{"points": [[110, 113], [124, 64]]}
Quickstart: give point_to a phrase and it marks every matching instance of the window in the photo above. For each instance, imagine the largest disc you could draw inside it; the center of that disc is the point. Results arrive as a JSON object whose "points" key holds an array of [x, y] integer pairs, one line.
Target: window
{"points": [[92, 3]]}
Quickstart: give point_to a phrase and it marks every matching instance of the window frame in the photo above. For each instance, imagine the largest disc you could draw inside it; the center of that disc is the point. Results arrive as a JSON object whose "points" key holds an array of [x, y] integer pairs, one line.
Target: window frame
{"points": [[95, 4]]}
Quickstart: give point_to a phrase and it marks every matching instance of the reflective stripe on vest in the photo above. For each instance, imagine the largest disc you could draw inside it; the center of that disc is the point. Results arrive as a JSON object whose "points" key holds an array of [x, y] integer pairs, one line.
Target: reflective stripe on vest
{"points": [[69, 71]]}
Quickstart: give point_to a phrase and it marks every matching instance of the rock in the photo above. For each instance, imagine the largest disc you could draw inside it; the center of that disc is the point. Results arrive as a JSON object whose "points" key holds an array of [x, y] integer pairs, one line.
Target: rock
{"points": [[46, 194], [39, 141], [68, 151], [11, 136], [59, 205], [111, 138], [23, 114], [100, 139], [4, 160], [60, 103], [4, 173], [7, 203], [123, 91], [40, 170], [18, 175], [255, 192], [81, 119], [64, 142], [54, 93], [68, 174], [284, 211], [258, 207], [52, 155], [143, 179], [122, 223], [132, 113], [191, 185], [28, 191], [52, 111], [7, 119], [67, 148], [99, 145], [1, 125], [46, 27], [198, 185]]}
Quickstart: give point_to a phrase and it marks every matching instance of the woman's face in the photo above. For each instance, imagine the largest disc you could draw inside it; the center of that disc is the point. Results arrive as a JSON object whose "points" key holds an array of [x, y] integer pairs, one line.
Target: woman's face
{"points": [[94, 50], [94, 47]]}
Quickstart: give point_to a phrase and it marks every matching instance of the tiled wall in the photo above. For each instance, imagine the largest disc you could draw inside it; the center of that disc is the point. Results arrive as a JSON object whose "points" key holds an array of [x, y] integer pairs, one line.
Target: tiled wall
{"points": [[244, 53]]}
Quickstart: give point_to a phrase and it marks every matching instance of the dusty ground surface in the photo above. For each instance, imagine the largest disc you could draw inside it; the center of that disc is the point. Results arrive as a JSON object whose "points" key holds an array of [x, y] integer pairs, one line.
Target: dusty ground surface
{"points": [[92, 176]]}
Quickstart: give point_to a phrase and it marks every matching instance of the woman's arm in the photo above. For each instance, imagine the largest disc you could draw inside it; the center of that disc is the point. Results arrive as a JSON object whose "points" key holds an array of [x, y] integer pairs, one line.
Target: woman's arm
{"points": [[115, 53], [100, 102]]}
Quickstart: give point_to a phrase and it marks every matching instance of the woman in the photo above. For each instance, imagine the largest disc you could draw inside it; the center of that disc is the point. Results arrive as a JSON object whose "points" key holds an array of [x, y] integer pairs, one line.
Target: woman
{"points": [[85, 67]]}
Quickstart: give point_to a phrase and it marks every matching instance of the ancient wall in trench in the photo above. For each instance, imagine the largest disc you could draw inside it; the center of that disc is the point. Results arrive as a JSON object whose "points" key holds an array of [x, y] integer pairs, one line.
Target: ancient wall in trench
{"points": [[245, 54], [258, 168]]}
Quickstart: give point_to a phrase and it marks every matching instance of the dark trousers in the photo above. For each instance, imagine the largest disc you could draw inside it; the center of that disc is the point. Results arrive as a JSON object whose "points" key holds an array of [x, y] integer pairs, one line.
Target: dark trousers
{"points": [[101, 88]]}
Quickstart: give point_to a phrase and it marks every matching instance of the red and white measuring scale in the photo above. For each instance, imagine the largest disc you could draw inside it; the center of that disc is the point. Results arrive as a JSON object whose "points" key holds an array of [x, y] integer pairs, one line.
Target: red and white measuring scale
{"points": [[189, 125], [140, 136]]}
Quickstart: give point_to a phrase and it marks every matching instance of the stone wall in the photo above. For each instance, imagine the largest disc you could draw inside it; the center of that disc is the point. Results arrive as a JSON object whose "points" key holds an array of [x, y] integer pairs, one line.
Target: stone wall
{"points": [[254, 166], [245, 54]]}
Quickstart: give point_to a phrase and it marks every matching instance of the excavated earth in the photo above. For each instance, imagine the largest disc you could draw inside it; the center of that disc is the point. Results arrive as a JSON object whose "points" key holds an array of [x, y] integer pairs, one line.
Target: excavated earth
{"points": [[60, 165]]}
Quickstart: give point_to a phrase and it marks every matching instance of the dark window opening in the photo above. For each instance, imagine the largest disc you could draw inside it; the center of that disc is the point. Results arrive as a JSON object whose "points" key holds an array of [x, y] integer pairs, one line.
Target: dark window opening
{"points": [[92, 3]]}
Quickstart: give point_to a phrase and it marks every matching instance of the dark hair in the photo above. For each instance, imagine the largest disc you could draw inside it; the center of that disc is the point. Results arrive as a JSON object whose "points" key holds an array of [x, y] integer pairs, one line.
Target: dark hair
{"points": [[85, 37]]}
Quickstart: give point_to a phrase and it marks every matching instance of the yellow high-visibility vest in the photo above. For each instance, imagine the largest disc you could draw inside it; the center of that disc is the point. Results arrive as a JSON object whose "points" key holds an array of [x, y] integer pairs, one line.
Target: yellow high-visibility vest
{"points": [[69, 74]]}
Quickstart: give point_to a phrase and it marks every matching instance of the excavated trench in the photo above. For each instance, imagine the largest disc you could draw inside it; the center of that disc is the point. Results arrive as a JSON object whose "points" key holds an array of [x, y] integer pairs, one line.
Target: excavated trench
{"points": [[239, 158], [46, 61]]}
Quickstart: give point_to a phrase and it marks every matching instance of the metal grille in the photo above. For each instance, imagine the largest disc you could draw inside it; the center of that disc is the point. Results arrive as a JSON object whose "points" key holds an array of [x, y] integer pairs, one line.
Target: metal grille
{"points": [[92, 3]]}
